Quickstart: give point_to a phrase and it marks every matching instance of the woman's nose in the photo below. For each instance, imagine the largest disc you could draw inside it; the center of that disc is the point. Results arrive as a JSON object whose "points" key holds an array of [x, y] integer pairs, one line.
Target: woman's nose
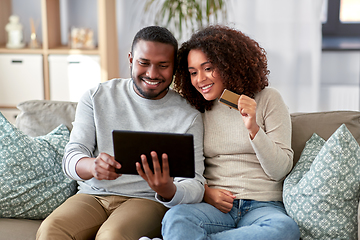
{"points": [[201, 76]]}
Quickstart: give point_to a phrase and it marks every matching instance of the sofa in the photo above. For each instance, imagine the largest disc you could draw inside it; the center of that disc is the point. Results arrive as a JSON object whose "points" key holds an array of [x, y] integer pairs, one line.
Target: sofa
{"points": [[39, 117]]}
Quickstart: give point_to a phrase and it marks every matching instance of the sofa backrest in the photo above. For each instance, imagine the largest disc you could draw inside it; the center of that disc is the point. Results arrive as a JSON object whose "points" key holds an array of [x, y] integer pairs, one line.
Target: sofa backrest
{"points": [[39, 117], [323, 124]]}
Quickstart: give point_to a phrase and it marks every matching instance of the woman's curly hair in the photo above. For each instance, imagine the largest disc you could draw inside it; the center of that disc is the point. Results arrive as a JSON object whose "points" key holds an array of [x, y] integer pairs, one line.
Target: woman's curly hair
{"points": [[239, 60]]}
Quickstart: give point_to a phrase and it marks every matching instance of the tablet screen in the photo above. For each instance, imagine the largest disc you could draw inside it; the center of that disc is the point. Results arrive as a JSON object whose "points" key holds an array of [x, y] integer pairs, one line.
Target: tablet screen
{"points": [[130, 145]]}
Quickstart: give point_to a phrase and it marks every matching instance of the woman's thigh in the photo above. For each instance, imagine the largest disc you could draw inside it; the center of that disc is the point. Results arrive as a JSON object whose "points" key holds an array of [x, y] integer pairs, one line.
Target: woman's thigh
{"points": [[269, 220], [195, 221]]}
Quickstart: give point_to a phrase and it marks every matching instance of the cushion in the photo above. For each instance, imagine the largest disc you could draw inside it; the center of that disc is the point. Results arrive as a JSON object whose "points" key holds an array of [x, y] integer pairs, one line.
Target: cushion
{"points": [[32, 183], [323, 124], [39, 117], [322, 191]]}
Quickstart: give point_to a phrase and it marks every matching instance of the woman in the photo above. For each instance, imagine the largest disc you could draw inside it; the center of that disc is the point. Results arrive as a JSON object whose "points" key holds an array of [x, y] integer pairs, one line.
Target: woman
{"points": [[248, 151]]}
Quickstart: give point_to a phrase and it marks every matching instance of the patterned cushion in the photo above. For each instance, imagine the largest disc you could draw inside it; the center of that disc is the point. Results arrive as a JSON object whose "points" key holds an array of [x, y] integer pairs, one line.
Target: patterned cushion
{"points": [[32, 183], [322, 192]]}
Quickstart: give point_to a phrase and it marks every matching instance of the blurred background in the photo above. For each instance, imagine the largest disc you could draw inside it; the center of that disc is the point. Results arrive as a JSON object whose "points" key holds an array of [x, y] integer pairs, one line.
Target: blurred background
{"points": [[313, 46]]}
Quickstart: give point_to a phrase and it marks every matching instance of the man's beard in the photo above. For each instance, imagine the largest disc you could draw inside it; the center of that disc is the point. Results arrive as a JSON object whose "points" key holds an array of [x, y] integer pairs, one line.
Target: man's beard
{"points": [[149, 94]]}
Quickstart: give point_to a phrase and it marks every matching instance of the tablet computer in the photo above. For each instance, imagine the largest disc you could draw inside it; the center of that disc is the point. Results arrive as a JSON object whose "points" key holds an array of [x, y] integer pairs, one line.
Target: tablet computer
{"points": [[130, 145]]}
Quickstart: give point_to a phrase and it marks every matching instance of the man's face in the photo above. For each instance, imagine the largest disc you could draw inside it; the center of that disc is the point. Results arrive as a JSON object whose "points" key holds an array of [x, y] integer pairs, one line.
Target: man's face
{"points": [[152, 66]]}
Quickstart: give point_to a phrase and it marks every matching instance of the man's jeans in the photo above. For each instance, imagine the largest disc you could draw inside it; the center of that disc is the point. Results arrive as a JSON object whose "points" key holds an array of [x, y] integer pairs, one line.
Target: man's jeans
{"points": [[248, 219]]}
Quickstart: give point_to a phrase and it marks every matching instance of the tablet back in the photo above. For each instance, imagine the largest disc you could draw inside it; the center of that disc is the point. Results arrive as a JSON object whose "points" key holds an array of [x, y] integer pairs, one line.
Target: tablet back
{"points": [[129, 145]]}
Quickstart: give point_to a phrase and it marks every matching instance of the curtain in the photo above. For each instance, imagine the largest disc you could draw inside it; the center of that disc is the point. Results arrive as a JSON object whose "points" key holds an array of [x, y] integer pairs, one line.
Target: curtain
{"points": [[290, 32]]}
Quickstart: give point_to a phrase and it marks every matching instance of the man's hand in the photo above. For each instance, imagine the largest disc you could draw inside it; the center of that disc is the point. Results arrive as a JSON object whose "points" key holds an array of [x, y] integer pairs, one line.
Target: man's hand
{"points": [[219, 198], [159, 180], [102, 168]]}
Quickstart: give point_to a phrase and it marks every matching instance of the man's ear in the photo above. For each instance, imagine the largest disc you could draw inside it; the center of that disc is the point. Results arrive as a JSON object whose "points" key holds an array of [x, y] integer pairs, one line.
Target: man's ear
{"points": [[130, 57]]}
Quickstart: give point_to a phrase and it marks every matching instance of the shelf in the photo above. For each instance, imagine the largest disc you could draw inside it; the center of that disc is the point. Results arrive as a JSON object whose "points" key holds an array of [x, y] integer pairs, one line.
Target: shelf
{"points": [[7, 107], [3, 49], [67, 50], [50, 28], [59, 50]]}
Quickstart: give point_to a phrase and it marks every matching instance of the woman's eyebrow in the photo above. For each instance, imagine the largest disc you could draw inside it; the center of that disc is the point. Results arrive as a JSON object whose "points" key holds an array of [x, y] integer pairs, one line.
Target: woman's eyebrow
{"points": [[202, 64]]}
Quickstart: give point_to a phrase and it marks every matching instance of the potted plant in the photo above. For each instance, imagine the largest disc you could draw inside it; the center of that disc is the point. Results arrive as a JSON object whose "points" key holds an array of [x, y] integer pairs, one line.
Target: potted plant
{"points": [[188, 15]]}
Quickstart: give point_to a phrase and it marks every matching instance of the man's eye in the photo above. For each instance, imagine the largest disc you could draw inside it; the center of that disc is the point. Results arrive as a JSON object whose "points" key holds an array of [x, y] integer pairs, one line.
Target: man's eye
{"points": [[164, 66], [143, 63]]}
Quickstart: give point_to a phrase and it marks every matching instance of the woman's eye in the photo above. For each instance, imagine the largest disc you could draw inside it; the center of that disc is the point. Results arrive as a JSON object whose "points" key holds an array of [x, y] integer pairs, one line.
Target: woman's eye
{"points": [[163, 66], [208, 69], [192, 73]]}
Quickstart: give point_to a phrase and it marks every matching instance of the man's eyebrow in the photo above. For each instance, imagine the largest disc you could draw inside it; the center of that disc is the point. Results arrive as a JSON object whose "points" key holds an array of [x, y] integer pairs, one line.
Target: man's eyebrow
{"points": [[147, 60]]}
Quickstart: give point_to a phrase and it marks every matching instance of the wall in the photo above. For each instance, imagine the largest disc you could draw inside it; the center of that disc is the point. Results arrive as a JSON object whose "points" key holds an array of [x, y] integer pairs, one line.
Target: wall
{"points": [[130, 19]]}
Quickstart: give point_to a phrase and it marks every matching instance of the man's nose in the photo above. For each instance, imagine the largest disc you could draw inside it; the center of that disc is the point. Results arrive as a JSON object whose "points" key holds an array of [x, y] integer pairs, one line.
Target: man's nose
{"points": [[152, 72]]}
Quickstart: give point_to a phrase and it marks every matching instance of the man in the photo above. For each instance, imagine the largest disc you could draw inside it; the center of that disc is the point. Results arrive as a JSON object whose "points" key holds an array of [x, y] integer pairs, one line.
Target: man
{"points": [[109, 205]]}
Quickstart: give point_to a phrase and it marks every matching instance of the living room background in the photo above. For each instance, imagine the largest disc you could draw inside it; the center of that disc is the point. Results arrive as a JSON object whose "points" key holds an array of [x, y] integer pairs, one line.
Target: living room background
{"points": [[309, 77]]}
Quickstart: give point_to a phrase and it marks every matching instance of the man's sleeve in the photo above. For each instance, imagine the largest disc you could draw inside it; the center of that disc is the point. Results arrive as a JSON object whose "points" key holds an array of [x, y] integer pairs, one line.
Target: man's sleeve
{"points": [[82, 138], [191, 190]]}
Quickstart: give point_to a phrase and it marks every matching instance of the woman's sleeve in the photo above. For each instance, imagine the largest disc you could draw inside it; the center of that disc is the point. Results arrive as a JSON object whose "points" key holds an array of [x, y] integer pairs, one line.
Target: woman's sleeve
{"points": [[272, 144]]}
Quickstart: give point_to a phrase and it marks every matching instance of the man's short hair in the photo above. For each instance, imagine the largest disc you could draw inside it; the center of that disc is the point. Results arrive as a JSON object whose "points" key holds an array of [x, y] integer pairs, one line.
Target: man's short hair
{"points": [[155, 34]]}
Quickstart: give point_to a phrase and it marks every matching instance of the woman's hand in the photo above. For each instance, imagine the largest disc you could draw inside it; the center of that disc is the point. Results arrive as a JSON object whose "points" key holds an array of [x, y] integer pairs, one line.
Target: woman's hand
{"points": [[247, 109], [219, 198]]}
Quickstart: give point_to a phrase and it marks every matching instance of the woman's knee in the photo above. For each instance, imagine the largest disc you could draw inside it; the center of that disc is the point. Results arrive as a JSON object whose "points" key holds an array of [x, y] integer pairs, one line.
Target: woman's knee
{"points": [[288, 227], [179, 212]]}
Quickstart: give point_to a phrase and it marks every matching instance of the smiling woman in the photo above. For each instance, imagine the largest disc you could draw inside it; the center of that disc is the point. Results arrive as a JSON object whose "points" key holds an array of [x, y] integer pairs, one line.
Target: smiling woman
{"points": [[247, 150], [203, 75]]}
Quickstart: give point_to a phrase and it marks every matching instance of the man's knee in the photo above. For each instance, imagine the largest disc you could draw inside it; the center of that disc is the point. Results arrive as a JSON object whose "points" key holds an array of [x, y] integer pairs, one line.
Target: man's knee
{"points": [[123, 232], [51, 228]]}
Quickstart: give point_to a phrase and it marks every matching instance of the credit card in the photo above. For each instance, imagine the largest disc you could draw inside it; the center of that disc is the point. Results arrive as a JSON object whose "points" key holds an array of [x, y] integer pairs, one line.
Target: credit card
{"points": [[229, 99]]}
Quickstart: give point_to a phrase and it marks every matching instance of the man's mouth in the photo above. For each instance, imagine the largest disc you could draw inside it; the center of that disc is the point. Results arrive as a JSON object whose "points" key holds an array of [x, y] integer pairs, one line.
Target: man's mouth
{"points": [[153, 83]]}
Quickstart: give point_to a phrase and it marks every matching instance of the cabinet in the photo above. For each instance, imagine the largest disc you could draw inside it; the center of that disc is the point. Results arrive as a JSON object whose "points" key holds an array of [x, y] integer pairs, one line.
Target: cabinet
{"points": [[72, 75], [106, 50], [21, 78]]}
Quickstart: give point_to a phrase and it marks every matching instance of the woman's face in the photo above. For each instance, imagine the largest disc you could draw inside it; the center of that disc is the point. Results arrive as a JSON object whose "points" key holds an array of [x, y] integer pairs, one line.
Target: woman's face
{"points": [[203, 75]]}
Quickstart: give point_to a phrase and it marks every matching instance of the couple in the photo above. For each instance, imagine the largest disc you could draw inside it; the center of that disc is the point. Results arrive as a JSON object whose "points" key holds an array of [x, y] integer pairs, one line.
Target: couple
{"points": [[247, 151]]}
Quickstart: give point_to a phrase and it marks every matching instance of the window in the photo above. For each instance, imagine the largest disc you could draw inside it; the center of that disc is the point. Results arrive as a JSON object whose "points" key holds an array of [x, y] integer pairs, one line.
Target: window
{"points": [[341, 18]]}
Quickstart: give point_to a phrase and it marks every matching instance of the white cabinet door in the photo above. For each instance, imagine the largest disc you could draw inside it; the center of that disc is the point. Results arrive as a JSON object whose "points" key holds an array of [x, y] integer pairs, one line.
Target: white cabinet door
{"points": [[21, 78], [72, 75]]}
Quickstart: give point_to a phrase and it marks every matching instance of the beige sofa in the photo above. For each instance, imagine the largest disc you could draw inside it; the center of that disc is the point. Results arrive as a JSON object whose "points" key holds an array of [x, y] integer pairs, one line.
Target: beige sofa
{"points": [[40, 117]]}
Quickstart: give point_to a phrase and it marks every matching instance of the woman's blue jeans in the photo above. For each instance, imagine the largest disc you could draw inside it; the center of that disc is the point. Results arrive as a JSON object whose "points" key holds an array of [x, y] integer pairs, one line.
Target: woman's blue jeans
{"points": [[248, 219]]}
